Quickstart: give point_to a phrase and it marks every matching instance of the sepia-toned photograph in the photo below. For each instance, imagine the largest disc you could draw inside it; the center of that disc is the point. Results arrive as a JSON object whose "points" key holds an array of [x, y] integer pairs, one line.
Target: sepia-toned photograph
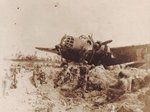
{"points": [[74, 55]]}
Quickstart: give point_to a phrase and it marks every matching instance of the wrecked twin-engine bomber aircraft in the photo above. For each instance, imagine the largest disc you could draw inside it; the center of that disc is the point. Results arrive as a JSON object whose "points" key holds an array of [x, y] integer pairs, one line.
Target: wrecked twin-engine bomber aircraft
{"points": [[84, 49], [82, 82]]}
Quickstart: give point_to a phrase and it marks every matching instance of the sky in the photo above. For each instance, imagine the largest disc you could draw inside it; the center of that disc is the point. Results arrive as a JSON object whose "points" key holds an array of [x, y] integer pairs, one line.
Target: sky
{"points": [[25, 24]]}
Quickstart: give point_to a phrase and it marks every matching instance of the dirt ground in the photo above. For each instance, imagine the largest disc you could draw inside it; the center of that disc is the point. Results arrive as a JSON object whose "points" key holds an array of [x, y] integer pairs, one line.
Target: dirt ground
{"points": [[45, 98]]}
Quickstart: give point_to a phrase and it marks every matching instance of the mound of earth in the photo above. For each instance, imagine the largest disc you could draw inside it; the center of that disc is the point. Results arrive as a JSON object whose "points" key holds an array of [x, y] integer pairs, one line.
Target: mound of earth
{"points": [[61, 92]]}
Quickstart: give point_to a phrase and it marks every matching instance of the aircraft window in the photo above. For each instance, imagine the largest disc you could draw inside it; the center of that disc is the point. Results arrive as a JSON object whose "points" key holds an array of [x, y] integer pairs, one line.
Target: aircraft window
{"points": [[89, 42], [68, 45], [71, 41], [82, 37]]}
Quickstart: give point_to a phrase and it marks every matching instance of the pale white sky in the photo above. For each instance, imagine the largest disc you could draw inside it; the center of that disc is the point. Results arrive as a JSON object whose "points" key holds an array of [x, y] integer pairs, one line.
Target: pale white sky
{"points": [[43, 22]]}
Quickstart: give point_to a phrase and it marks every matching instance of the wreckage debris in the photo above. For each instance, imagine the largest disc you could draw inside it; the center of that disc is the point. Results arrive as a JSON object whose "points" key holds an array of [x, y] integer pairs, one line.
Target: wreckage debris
{"points": [[97, 79], [38, 75], [14, 71]]}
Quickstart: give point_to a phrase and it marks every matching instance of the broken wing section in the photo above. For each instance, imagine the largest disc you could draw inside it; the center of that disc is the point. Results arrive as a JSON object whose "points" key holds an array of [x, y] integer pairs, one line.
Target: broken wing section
{"points": [[140, 53], [52, 50]]}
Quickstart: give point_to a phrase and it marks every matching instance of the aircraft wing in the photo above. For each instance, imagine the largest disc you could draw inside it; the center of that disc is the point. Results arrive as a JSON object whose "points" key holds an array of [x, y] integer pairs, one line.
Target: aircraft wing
{"points": [[52, 50], [126, 54]]}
